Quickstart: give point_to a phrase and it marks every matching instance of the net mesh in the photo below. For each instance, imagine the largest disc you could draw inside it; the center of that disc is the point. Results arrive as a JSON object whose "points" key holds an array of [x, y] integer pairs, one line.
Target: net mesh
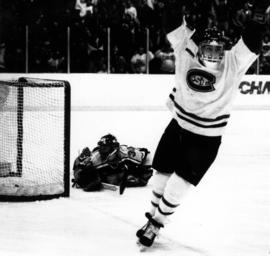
{"points": [[32, 150]]}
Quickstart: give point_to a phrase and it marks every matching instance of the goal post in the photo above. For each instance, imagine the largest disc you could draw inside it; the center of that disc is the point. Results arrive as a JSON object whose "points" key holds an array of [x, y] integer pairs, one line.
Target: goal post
{"points": [[34, 139]]}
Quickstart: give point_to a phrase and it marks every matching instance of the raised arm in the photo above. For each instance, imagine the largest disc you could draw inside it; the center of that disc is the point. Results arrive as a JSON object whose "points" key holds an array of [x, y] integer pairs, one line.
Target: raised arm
{"points": [[180, 35]]}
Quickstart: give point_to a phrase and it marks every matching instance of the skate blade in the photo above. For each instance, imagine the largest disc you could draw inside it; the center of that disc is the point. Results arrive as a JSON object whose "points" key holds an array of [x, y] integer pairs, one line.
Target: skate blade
{"points": [[142, 248]]}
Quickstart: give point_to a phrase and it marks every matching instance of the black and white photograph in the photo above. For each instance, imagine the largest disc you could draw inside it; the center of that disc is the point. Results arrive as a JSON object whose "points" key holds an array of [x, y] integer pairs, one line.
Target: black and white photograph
{"points": [[135, 127]]}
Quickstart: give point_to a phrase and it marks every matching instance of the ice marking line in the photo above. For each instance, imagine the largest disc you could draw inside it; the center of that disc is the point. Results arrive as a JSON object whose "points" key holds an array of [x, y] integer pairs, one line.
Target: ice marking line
{"points": [[117, 108], [123, 220], [153, 108]]}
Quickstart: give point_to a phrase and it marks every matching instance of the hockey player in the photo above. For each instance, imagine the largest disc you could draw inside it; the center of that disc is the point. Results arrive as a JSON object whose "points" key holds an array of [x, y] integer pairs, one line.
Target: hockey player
{"points": [[206, 81], [112, 163]]}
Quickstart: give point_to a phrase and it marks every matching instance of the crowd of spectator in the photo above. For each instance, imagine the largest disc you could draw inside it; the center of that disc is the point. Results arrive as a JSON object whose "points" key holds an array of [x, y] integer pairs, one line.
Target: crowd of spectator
{"points": [[116, 36]]}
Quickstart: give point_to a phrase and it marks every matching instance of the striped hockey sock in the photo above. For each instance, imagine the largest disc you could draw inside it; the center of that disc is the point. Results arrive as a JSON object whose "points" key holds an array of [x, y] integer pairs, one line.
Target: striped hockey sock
{"points": [[159, 184], [176, 188]]}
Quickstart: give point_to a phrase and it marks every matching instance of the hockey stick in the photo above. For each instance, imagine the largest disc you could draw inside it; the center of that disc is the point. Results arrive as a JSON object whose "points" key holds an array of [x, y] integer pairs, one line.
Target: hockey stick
{"points": [[122, 186], [123, 183], [110, 186]]}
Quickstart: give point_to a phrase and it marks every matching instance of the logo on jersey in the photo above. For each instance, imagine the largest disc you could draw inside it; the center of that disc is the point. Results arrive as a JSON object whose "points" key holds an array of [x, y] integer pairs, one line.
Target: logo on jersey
{"points": [[201, 81]]}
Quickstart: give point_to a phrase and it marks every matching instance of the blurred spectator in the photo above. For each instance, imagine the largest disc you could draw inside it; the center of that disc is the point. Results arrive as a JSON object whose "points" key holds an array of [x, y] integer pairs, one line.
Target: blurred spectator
{"points": [[160, 14], [127, 19], [94, 61], [265, 56], [96, 46], [221, 10], [84, 6], [222, 13], [266, 46], [95, 2], [146, 15], [139, 60], [79, 57], [2, 57], [118, 62], [102, 66], [265, 65], [130, 37], [130, 10], [17, 60], [242, 15], [268, 17], [56, 62], [166, 59], [150, 3]]}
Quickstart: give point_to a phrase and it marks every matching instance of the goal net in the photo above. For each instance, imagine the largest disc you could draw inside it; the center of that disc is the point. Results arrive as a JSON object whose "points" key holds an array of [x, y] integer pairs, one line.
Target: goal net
{"points": [[34, 139]]}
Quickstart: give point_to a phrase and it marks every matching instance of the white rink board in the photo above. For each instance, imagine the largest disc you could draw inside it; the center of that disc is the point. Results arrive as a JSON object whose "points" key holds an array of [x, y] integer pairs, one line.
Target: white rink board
{"points": [[142, 92]]}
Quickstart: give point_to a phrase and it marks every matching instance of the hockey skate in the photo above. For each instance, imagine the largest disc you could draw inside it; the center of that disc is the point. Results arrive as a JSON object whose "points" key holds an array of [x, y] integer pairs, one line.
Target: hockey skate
{"points": [[141, 231], [147, 234]]}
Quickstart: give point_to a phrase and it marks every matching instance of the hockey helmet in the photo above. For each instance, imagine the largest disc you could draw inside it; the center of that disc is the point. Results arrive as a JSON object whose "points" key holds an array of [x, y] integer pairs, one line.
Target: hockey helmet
{"points": [[211, 48], [107, 143]]}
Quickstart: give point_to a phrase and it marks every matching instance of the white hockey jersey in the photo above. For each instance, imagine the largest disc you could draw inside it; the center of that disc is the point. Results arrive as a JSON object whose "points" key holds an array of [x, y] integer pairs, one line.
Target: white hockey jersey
{"points": [[202, 98]]}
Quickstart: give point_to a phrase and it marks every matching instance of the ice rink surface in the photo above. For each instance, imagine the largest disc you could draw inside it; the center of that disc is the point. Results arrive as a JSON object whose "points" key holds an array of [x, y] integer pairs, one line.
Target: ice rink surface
{"points": [[226, 215]]}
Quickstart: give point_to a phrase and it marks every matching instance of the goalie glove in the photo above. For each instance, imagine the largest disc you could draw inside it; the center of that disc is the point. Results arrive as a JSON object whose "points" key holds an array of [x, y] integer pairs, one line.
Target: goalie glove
{"points": [[87, 178]]}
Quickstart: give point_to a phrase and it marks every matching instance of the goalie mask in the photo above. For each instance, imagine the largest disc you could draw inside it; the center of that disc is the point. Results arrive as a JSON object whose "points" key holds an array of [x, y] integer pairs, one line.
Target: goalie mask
{"points": [[107, 144], [211, 48]]}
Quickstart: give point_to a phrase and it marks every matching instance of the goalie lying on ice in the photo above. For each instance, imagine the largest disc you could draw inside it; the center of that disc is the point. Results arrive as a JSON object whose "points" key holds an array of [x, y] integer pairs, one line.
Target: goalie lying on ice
{"points": [[112, 163]]}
